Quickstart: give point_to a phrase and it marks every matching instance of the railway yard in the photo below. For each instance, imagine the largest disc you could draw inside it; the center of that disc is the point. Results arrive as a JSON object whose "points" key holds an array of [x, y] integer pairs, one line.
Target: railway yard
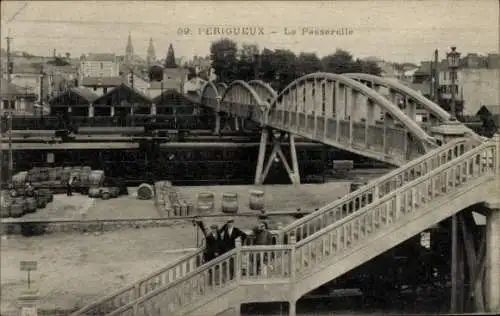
{"points": [[76, 268]]}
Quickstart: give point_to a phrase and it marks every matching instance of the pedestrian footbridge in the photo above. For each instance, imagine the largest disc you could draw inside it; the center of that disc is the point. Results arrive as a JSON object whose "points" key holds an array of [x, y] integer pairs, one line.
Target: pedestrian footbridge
{"points": [[435, 180]]}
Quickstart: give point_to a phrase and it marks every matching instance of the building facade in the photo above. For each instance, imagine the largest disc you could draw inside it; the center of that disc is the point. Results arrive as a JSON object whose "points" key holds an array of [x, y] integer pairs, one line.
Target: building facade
{"points": [[99, 65]]}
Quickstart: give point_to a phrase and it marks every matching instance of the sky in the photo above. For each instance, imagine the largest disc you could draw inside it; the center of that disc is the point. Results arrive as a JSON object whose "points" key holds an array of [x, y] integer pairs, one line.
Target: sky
{"points": [[401, 31]]}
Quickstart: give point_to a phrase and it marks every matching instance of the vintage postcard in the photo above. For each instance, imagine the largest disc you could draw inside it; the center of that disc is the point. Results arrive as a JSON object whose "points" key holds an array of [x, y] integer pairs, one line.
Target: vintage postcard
{"points": [[202, 158]]}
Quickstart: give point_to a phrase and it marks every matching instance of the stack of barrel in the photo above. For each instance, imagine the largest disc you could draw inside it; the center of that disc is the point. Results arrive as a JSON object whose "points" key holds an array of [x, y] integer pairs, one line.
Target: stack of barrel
{"points": [[57, 177], [14, 204], [170, 201]]}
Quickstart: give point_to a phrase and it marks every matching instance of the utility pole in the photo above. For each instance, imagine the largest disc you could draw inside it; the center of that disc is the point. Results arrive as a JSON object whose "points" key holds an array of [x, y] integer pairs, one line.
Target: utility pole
{"points": [[10, 67], [436, 76]]}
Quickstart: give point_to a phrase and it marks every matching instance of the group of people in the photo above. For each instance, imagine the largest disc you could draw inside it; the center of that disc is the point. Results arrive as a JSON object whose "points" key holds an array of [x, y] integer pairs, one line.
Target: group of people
{"points": [[221, 240]]}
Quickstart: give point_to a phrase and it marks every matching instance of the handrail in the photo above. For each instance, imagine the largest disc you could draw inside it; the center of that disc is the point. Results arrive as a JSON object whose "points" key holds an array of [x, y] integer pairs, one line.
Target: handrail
{"points": [[403, 188], [372, 185], [133, 286], [200, 270]]}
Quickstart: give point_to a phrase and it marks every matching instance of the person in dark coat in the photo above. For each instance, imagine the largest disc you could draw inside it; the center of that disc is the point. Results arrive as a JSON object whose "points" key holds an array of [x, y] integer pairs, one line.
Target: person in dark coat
{"points": [[69, 186], [229, 234], [212, 246], [262, 238], [212, 241]]}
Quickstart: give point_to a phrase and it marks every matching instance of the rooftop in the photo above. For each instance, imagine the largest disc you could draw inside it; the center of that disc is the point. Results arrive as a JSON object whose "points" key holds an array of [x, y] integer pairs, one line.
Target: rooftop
{"points": [[103, 81], [100, 57]]}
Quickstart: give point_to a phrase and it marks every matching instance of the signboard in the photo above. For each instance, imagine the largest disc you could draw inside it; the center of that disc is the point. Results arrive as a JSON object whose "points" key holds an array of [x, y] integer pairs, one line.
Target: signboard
{"points": [[28, 265]]}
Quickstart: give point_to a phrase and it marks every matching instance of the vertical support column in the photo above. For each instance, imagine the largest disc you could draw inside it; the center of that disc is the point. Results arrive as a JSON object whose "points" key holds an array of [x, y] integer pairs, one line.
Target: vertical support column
{"points": [[492, 276], [454, 265], [295, 162], [91, 110], [328, 106], [264, 136], [337, 110], [153, 109], [349, 107], [292, 308], [293, 302], [112, 113], [217, 115]]}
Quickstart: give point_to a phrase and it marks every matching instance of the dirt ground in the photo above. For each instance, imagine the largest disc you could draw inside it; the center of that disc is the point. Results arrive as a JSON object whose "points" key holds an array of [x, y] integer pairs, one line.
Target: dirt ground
{"points": [[76, 269]]}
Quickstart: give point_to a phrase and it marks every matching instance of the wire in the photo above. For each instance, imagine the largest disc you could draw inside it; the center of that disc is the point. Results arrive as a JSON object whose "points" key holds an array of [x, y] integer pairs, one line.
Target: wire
{"points": [[17, 12]]}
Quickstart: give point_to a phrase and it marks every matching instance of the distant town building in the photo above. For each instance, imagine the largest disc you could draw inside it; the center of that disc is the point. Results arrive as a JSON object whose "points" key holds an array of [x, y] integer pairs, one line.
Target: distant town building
{"points": [[151, 53], [99, 65], [102, 85], [17, 100], [129, 50], [29, 79]]}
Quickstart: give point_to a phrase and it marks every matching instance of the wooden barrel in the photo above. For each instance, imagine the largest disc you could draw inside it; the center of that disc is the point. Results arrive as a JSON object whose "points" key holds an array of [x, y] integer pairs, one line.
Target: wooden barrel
{"points": [[105, 195], [145, 192], [190, 209], [114, 192], [52, 174], [19, 179], [229, 203], [256, 200], [17, 210], [84, 178], [205, 202], [32, 175], [31, 205], [5, 204], [176, 209], [41, 201], [94, 192], [96, 178], [44, 174], [183, 208], [87, 169]]}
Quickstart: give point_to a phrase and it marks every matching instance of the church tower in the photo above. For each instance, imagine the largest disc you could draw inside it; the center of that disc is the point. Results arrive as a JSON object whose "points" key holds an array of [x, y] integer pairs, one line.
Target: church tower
{"points": [[129, 50], [151, 54]]}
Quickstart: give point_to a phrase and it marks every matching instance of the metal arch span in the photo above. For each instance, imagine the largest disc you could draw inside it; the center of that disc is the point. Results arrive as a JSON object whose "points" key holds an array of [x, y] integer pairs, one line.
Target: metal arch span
{"points": [[432, 107], [266, 92], [341, 112], [412, 126], [240, 99], [209, 95]]}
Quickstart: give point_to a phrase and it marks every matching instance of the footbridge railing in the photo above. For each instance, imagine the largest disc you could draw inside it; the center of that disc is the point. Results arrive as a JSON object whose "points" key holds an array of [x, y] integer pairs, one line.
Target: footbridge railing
{"points": [[375, 190], [172, 272], [292, 264]]}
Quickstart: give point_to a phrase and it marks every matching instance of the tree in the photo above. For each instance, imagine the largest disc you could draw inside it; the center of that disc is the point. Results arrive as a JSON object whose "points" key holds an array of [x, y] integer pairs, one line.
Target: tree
{"points": [[248, 57], [68, 55], [268, 71], [223, 54], [170, 59], [308, 63], [284, 62], [340, 62]]}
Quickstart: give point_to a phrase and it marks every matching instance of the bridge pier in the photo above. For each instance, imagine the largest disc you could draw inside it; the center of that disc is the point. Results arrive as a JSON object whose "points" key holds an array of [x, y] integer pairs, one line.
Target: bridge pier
{"points": [[292, 308], [492, 272], [261, 171]]}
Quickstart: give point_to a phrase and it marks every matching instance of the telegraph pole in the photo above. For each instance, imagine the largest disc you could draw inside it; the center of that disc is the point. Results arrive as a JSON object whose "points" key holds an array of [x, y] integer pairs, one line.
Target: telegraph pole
{"points": [[10, 67]]}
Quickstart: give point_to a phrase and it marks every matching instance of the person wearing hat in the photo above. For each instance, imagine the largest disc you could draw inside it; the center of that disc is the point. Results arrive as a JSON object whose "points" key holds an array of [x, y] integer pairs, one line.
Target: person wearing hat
{"points": [[262, 238], [229, 234], [212, 241]]}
